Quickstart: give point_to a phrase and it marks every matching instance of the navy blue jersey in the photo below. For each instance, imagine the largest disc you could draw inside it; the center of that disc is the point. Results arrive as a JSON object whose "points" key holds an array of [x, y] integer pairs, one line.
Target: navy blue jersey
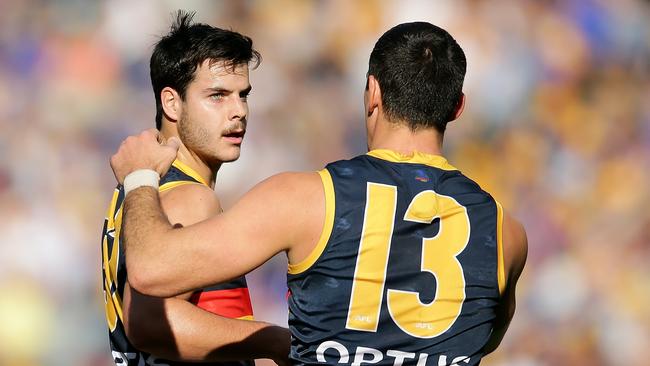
{"points": [[230, 299], [408, 269]]}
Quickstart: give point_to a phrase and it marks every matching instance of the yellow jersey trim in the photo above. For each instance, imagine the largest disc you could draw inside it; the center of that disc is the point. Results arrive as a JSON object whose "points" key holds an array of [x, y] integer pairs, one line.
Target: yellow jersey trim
{"points": [[246, 317], [501, 273], [110, 269], [306, 263], [169, 185], [189, 171], [416, 157]]}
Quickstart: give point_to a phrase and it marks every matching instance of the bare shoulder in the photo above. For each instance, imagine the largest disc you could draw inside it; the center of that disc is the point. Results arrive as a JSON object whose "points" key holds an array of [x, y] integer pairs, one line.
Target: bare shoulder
{"points": [[287, 190], [515, 228], [189, 203], [304, 210], [292, 183], [289, 206], [515, 245]]}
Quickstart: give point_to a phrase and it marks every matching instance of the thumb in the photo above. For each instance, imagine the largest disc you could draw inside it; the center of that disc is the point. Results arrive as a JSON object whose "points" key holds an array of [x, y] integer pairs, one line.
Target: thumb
{"points": [[173, 142], [170, 149]]}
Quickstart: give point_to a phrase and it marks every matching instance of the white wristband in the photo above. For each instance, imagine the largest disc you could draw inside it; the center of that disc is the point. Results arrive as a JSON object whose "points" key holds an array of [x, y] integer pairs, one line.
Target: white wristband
{"points": [[140, 178]]}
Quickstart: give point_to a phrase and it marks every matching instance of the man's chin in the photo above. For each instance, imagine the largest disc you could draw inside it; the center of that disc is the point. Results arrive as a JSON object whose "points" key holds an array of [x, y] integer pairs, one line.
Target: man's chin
{"points": [[230, 156], [230, 160], [225, 154]]}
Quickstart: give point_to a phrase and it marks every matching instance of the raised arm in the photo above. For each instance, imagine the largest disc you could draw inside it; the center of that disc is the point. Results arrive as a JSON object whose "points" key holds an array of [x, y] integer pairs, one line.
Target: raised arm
{"points": [[177, 330], [282, 211], [515, 251]]}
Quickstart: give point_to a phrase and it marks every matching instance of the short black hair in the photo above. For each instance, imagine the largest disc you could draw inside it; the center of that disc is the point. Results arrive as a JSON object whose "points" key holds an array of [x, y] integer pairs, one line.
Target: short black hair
{"points": [[420, 69], [177, 55]]}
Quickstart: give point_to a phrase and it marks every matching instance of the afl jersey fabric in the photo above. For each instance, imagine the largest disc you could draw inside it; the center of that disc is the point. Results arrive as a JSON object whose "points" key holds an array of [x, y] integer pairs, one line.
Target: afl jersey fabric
{"points": [[229, 299], [408, 269]]}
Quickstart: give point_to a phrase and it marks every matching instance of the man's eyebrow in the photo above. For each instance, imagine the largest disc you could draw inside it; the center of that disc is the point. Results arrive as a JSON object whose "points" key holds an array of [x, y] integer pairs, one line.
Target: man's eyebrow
{"points": [[217, 89]]}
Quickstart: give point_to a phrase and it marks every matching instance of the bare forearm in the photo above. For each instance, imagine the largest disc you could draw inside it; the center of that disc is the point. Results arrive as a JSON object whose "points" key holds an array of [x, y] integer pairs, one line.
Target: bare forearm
{"points": [[166, 261], [188, 333], [144, 226]]}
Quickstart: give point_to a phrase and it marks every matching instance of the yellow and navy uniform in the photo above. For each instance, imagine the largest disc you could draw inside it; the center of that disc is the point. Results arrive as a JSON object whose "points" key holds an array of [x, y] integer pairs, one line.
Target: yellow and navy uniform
{"points": [[230, 299], [408, 268]]}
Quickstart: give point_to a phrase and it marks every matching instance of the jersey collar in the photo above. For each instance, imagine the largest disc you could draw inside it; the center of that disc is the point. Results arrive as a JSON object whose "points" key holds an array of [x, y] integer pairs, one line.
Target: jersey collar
{"points": [[189, 171], [416, 157]]}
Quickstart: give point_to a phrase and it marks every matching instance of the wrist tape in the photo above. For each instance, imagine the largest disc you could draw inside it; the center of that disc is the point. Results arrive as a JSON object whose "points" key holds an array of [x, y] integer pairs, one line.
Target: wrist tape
{"points": [[140, 178]]}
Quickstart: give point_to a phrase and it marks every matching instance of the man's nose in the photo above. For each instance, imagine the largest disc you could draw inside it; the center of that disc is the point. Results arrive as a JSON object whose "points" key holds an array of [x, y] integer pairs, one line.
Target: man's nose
{"points": [[238, 109]]}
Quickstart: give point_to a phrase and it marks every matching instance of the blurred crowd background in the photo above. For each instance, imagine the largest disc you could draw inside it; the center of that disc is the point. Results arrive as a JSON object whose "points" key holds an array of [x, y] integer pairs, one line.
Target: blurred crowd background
{"points": [[557, 127]]}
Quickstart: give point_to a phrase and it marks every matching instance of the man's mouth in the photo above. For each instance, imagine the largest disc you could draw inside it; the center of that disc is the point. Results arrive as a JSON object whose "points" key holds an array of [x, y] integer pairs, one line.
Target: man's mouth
{"points": [[235, 137]]}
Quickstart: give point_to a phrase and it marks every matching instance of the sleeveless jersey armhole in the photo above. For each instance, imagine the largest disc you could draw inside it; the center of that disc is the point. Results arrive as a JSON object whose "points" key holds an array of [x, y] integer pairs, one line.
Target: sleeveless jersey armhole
{"points": [[170, 185], [501, 273], [309, 261]]}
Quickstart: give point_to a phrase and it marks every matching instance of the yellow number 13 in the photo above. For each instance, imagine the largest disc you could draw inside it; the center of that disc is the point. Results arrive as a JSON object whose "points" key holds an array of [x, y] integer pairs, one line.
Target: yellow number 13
{"points": [[438, 257]]}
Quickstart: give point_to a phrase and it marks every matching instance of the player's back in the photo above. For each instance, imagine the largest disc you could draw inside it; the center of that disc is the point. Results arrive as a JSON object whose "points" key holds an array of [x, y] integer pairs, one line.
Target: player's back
{"points": [[230, 299], [408, 268]]}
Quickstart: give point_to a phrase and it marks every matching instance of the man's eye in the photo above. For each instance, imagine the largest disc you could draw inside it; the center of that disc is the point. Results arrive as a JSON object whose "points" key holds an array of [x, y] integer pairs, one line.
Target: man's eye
{"points": [[244, 97], [217, 96]]}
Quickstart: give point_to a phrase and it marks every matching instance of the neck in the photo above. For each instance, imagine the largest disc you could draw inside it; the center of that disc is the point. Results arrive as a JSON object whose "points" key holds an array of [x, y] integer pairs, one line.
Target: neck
{"points": [[207, 171], [400, 138]]}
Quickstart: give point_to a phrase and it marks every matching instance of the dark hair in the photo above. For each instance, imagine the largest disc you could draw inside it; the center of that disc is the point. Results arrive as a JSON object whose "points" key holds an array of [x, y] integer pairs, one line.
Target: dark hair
{"points": [[420, 69], [177, 55]]}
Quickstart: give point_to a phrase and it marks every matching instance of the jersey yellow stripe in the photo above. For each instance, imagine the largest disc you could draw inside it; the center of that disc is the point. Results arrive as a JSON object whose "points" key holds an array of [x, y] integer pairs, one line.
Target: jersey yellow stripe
{"points": [[305, 264], [501, 273], [113, 300], [114, 264], [372, 258], [416, 157], [169, 185], [111, 207], [189, 171], [246, 317]]}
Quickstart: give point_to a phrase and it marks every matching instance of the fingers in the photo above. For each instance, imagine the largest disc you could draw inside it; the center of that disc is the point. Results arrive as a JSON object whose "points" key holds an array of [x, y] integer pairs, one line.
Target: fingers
{"points": [[150, 134], [147, 150], [173, 142], [171, 147]]}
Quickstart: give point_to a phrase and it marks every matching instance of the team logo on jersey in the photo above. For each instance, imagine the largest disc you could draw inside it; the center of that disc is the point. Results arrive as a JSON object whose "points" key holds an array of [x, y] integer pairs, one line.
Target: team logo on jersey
{"points": [[421, 176]]}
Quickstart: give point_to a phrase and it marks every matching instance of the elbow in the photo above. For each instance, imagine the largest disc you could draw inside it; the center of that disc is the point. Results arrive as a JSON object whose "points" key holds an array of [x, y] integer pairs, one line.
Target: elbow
{"points": [[147, 280], [147, 273]]}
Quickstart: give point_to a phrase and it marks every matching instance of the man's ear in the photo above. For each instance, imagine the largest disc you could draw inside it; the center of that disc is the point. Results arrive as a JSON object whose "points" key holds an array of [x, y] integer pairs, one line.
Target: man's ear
{"points": [[373, 96], [171, 103], [460, 107]]}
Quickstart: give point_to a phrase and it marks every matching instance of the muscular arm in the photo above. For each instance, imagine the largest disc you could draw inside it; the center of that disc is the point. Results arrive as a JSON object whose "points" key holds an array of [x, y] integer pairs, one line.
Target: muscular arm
{"points": [[515, 251], [276, 215], [175, 329]]}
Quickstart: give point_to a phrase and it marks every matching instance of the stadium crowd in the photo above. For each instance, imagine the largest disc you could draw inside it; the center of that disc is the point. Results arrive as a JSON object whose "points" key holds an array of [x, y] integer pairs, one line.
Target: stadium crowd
{"points": [[556, 127]]}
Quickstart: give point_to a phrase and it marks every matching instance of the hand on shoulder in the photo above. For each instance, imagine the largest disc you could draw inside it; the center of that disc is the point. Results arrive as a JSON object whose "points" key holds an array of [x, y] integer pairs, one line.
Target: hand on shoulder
{"points": [[189, 203], [144, 151]]}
